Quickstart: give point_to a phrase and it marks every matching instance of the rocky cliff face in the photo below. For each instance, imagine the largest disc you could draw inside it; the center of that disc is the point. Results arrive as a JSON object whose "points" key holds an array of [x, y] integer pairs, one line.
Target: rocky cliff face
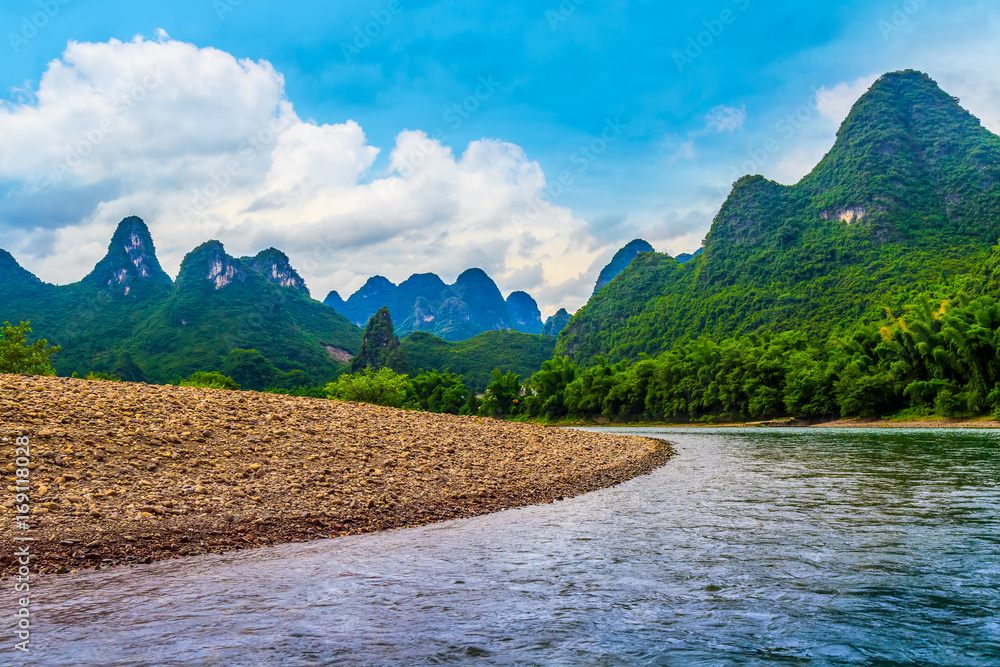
{"points": [[274, 265], [130, 263]]}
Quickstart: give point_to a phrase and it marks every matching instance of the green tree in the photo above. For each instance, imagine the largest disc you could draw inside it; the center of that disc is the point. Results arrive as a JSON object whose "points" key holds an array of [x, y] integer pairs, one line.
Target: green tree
{"points": [[548, 387], [17, 356], [378, 387], [380, 346], [503, 397], [210, 380], [432, 391]]}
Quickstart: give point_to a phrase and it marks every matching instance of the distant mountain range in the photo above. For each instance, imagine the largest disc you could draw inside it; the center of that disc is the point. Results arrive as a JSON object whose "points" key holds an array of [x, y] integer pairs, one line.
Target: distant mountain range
{"points": [[906, 201], [129, 318], [423, 302]]}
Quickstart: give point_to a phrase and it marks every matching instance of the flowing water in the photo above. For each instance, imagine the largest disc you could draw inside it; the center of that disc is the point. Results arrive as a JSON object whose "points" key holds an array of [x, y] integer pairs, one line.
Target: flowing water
{"points": [[823, 547]]}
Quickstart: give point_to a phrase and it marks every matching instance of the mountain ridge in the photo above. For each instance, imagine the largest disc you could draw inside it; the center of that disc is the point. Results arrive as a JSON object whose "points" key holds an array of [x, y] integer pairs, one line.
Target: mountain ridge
{"points": [[907, 199]]}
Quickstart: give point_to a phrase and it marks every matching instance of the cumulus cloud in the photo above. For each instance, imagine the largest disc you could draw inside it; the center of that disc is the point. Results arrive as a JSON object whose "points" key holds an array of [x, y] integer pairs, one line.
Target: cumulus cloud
{"points": [[203, 145], [835, 103]]}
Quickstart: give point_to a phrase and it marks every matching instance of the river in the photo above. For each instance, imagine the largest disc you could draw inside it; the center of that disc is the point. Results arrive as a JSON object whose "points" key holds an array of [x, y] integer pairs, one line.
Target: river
{"points": [[752, 546]]}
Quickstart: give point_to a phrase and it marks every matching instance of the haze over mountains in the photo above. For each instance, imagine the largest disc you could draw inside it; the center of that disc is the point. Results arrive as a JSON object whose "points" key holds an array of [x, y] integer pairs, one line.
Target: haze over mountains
{"points": [[907, 200]]}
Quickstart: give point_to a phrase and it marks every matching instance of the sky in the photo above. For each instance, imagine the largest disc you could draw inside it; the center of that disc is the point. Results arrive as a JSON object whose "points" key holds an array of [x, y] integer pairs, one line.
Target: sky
{"points": [[530, 139]]}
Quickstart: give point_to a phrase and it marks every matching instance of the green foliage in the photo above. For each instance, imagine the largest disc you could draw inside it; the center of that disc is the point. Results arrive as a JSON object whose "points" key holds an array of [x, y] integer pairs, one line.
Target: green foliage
{"points": [[378, 387], [477, 357], [19, 356], [941, 355], [157, 331], [250, 369], [504, 396], [210, 380], [380, 346], [126, 369], [102, 377], [906, 201], [432, 391], [548, 388]]}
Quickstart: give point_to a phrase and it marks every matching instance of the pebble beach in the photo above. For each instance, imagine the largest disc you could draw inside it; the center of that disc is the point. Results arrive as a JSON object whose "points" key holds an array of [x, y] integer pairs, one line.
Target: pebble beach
{"points": [[122, 474]]}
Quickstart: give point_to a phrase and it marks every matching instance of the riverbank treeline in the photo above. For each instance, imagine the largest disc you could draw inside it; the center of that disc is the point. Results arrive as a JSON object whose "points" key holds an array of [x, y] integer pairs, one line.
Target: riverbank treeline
{"points": [[940, 356]]}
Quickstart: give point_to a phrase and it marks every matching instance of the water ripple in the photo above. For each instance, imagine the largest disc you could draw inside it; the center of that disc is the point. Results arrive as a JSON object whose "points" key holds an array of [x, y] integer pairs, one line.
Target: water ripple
{"points": [[752, 547]]}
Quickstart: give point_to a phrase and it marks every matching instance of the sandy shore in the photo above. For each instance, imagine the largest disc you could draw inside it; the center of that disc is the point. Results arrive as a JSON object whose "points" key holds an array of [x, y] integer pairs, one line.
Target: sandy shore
{"points": [[131, 473]]}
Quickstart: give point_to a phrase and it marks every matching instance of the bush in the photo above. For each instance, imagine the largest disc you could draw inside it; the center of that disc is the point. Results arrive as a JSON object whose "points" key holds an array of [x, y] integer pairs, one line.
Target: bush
{"points": [[102, 377], [212, 380], [17, 356], [382, 387], [503, 396], [438, 392], [949, 404]]}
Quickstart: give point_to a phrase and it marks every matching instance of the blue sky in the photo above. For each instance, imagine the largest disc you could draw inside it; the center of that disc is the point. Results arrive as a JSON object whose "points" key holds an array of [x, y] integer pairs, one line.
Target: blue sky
{"points": [[674, 100]]}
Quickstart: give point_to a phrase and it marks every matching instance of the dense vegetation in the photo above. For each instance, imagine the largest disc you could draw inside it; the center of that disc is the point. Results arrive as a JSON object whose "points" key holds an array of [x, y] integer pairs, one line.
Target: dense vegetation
{"points": [[477, 357], [127, 319], [17, 355], [906, 201]]}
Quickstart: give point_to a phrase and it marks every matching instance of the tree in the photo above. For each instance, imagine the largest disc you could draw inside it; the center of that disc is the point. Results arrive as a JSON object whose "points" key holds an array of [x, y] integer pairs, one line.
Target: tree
{"points": [[503, 396], [378, 387], [212, 380], [549, 388], [432, 391], [380, 346], [17, 356]]}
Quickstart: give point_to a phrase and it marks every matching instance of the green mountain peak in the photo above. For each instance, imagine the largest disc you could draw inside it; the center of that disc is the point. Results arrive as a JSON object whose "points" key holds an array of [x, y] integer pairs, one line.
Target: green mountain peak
{"points": [[130, 262]]}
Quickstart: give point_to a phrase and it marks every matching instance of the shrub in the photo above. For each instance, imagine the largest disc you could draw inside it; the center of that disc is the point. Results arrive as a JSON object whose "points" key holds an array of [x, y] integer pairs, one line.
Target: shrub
{"points": [[212, 380], [17, 356], [102, 377], [382, 387], [432, 391]]}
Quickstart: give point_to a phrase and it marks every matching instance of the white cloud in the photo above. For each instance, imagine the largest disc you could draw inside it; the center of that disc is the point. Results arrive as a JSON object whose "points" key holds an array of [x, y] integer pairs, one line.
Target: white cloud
{"points": [[725, 119], [202, 145], [835, 103]]}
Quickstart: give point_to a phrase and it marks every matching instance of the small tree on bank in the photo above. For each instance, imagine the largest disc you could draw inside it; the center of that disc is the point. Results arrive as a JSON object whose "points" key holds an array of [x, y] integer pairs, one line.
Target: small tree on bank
{"points": [[378, 387], [17, 356]]}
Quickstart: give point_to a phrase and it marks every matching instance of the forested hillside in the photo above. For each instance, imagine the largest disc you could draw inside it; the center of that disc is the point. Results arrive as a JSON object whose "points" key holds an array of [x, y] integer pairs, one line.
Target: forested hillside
{"points": [[906, 201]]}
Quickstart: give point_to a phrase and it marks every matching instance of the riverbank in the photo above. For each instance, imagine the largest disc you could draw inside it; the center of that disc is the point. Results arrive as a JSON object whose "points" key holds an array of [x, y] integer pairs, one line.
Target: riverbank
{"points": [[131, 473], [852, 422]]}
